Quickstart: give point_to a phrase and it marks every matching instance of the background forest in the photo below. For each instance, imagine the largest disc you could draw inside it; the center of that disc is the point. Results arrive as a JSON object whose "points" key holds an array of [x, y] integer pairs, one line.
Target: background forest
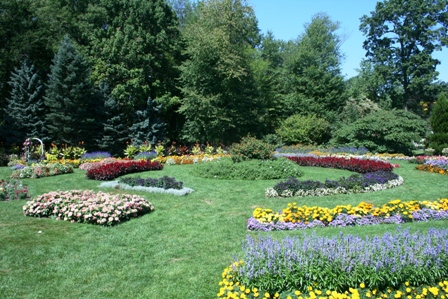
{"points": [[104, 74]]}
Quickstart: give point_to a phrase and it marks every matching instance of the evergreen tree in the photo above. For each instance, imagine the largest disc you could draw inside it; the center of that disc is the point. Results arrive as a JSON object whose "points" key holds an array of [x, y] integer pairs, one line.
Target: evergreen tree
{"points": [[439, 124], [70, 99], [25, 110], [147, 124], [116, 132]]}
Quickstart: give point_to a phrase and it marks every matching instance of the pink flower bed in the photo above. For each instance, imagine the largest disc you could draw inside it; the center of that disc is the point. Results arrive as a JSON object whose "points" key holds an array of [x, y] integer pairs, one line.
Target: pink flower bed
{"points": [[86, 206]]}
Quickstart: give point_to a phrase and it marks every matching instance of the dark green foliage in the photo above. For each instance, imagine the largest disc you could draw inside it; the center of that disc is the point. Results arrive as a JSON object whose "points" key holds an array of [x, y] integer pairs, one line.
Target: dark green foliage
{"points": [[115, 131], [308, 129], [401, 36], [164, 182], [226, 169], [251, 148], [439, 115], [25, 110], [71, 100], [439, 124], [220, 101], [383, 132], [147, 125], [313, 82]]}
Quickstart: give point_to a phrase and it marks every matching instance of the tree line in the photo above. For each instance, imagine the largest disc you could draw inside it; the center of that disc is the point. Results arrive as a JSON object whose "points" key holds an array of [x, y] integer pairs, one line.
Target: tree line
{"points": [[106, 73]]}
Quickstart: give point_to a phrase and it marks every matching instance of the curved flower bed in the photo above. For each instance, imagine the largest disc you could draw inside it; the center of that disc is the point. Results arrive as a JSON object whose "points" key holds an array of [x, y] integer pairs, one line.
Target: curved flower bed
{"points": [[367, 182], [352, 164], [396, 211], [41, 170], [164, 184], [86, 206], [109, 171], [434, 164], [188, 159], [344, 266], [14, 189]]}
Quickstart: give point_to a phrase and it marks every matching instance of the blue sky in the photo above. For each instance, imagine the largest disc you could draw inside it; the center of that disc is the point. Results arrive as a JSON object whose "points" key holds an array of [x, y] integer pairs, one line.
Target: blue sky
{"points": [[286, 20]]}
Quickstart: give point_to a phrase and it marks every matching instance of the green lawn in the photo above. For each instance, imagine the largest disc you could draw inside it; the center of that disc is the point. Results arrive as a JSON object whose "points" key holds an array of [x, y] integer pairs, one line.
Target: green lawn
{"points": [[177, 251]]}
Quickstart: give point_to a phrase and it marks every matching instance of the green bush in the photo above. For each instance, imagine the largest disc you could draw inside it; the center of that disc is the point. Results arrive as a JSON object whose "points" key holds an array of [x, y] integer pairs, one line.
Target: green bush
{"points": [[308, 129], [439, 125], [251, 148], [383, 132], [226, 169]]}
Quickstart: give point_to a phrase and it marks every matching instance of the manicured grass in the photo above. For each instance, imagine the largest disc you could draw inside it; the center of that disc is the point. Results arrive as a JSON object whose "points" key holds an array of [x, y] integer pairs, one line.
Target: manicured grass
{"points": [[177, 251]]}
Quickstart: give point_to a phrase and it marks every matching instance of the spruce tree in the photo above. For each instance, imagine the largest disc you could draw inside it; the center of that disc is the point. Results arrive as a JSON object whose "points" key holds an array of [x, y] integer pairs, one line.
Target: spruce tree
{"points": [[147, 124], [25, 109], [115, 132], [70, 98], [439, 124]]}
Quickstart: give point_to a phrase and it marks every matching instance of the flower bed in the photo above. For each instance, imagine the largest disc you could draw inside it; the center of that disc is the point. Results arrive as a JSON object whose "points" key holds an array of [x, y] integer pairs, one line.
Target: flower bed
{"points": [[86, 206], [367, 182], [352, 164], [435, 164], [41, 170], [390, 266], [109, 171], [188, 159], [14, 189], [295, 217], [164, 184], [93, 163]]}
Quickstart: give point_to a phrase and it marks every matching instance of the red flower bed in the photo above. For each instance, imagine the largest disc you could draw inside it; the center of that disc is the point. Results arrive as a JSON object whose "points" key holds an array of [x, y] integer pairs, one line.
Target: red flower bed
{"points": [[112, 170], [352, 164]]}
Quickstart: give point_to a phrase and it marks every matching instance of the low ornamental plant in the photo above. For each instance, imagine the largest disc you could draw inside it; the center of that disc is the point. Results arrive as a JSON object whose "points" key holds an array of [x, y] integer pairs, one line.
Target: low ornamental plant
{"points": [[109, 171], [41, 170], [357, 183], [395, 211], [189, 159], [352, 164], [393, 265], [95, 156], [164, 182], [438, 164], [86, 206], [251, 148], [13, 189]]}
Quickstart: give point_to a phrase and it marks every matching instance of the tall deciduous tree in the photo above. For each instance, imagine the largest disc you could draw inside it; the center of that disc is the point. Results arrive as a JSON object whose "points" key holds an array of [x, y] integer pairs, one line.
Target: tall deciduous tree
{"points": [[25, 109], [219, 97], [314, 84], [70, 99], [401, 37]]}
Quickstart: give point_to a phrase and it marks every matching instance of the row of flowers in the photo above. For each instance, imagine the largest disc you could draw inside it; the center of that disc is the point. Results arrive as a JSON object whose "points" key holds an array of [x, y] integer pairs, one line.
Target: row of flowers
{"points": [[395, 265], [395, 211], [86, 206], [189, 159], [367, 182], [13, 189], [109, 171], [41, 170], [435, 164], [352, 164]]}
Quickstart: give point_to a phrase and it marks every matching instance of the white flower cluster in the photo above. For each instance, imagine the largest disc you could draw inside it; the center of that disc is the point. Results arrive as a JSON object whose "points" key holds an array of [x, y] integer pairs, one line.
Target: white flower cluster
{"points": [[270, 192], [121, 186]]}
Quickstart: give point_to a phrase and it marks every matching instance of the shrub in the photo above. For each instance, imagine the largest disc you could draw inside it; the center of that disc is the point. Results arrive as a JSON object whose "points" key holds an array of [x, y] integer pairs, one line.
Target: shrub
{"points": [[308, 129], [113, 170], [439, 115], [251, 148], [383, 132], [164, 182], [226, 169], [86, 206], [14, 189], [352, 164]]}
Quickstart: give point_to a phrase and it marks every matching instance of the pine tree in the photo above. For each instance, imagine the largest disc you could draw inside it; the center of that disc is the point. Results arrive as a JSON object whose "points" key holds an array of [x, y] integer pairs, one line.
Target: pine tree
{"points": [[115, 130], [25, 109], [147, 124], [70, 98]]}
